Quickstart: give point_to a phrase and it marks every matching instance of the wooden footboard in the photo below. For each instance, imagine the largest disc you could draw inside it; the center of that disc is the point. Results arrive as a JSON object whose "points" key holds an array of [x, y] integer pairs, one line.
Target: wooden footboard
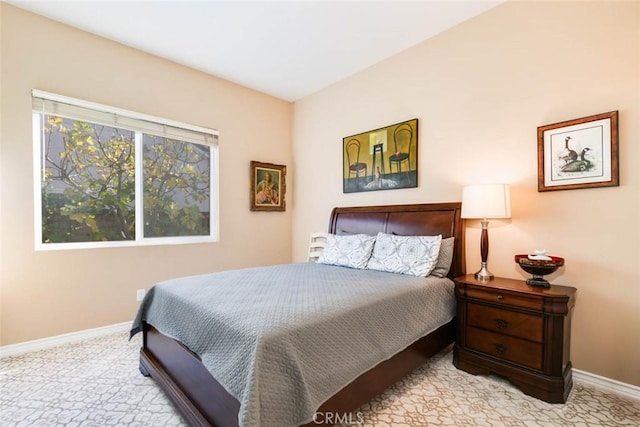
{"points": [[202, 401]]}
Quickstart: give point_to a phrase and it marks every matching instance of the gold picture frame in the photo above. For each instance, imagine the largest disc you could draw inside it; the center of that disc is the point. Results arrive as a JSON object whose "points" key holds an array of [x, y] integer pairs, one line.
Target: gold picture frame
{"points": [[268, 186], [580, 153]]}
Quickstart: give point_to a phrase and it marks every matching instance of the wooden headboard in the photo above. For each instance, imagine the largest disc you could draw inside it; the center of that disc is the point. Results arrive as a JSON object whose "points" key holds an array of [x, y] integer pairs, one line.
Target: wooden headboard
{"points": [[405, 220]]}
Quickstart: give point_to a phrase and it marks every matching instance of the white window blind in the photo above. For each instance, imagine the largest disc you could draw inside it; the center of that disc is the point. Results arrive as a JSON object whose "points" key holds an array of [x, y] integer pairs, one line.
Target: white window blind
{"points": [[63, 106]]}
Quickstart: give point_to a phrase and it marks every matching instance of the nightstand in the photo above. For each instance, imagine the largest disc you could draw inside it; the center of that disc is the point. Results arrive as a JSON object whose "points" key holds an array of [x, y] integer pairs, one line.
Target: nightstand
{"points": [[508, 328]]}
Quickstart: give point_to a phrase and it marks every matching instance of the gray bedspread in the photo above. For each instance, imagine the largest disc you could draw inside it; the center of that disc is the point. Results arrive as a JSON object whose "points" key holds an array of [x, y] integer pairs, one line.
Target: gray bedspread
{"points": [[283, 339]]}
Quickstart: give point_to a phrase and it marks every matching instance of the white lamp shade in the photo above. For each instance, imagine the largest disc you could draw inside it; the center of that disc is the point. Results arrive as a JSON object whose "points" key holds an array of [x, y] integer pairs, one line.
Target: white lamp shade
{"points": [[486, 201]]}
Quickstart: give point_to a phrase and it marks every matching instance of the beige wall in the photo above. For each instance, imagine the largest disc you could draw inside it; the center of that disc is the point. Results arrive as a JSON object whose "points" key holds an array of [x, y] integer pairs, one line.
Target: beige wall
{"points": [[50, 293], [480, 90]]}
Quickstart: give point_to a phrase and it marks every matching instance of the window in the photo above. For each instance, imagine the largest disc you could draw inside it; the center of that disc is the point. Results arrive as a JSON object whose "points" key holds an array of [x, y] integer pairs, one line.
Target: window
{"points": [[109, 177]]}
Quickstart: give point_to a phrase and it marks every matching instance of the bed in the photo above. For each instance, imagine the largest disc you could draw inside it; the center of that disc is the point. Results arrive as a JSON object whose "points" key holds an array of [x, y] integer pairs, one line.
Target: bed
{"points": [[203, 401]]}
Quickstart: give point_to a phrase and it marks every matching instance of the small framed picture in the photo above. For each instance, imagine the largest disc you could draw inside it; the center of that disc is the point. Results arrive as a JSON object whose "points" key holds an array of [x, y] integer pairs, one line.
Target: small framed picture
{"points": [[580, 153], [268, 186]]}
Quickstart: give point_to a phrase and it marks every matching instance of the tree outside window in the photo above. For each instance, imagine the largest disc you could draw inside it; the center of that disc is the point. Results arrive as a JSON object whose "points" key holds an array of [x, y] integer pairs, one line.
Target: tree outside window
{"points": [[89, 173]]}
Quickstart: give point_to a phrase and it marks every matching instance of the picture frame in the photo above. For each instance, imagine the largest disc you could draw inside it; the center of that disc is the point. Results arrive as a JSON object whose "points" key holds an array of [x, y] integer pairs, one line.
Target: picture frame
{"points": [[381, 159], [579, 153], [268, 187]]}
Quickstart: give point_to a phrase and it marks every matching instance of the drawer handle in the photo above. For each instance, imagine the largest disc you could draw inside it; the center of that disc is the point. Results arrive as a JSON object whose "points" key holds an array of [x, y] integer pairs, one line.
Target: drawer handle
{"points": [[501, 324], [500, 349], [500, 297]]}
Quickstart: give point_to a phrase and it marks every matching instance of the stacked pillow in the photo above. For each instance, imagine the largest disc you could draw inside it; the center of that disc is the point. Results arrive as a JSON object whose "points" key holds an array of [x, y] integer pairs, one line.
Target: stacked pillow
{"points": [[349, 250], [414, 255]]}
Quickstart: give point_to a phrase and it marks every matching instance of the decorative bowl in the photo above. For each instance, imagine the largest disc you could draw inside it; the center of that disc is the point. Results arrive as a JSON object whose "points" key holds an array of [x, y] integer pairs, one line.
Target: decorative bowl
{"points": [[539, 268]]}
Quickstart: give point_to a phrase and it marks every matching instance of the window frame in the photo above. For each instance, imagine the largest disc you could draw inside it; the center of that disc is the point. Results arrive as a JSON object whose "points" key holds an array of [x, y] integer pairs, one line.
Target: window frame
{"points": [[139, 240]]}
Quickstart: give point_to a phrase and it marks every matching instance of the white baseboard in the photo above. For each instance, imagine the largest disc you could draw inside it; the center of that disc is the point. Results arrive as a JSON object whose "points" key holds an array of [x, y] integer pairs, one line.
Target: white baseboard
{"points": [[596, 381], [607, 384], [41, 344]]}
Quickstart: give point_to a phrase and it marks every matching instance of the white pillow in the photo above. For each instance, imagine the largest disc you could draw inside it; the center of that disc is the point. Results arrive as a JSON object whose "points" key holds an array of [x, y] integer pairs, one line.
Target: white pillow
{"points": [[349, 250], [413, 255]]}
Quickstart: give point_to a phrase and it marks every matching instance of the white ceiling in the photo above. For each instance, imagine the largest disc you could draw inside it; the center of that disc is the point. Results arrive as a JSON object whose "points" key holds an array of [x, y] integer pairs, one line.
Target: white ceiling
{"points": [[288, 49]]}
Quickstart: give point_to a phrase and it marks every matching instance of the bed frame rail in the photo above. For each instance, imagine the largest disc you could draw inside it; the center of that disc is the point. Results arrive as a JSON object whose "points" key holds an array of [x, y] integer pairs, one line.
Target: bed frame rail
{"points": [[202, 401]]}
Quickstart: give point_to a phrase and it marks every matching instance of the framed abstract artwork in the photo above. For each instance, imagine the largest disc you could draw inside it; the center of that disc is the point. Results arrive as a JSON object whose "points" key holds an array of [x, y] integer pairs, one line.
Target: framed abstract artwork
{"points": [[381, 159], [268, 186], [580, 153]]}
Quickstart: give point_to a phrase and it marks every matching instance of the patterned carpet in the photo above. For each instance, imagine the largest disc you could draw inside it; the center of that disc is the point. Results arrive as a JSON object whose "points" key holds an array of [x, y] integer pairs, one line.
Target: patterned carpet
{"points": [[97, 382]]}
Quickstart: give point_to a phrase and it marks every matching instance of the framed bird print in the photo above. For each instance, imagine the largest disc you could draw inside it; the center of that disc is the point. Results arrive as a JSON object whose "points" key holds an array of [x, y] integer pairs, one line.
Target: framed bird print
{"points": [[580, 153]]}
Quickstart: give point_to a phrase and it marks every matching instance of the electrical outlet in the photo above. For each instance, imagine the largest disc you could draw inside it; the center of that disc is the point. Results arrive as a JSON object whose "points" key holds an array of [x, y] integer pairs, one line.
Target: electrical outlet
{"points": [[140, 294]]}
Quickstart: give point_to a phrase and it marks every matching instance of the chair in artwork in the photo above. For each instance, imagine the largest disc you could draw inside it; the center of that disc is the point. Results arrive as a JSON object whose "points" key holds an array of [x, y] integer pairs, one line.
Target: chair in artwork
{"points": [[402, 139], [353, 159], [317, 242]]}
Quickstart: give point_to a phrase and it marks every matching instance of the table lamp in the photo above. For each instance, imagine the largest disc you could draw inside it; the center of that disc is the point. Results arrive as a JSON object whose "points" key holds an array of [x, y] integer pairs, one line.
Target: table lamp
{"points": [[485, 201]]}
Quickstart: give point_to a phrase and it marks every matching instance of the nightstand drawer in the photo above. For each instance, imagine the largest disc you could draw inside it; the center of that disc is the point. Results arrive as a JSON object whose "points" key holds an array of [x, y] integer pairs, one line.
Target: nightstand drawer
{"points": [[505, 322], [512, 349], [506, 298]]}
